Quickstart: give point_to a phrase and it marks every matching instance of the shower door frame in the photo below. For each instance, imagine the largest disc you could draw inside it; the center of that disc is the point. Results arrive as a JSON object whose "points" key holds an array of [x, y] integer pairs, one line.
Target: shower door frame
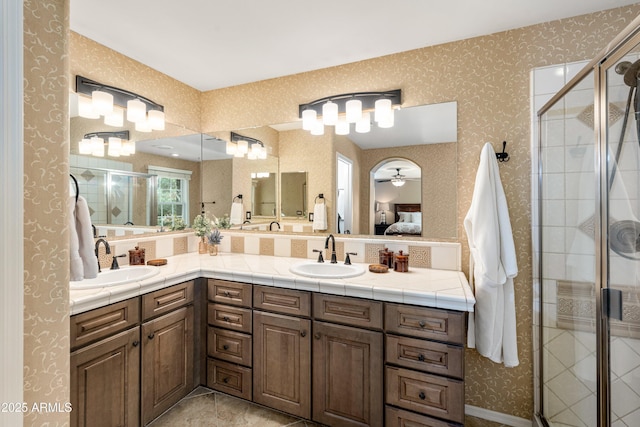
{"points": [[615, 50]]}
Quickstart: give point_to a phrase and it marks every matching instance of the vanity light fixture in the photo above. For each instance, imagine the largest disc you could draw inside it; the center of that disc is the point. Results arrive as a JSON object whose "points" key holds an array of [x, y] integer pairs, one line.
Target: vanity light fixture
{"points": [[241, 145], [342, 110], [117, 144], [105, 101]]}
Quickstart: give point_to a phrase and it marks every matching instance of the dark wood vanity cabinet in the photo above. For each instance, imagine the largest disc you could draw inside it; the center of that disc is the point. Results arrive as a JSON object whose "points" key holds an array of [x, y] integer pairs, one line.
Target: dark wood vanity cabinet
{"points": [[132, 360]]}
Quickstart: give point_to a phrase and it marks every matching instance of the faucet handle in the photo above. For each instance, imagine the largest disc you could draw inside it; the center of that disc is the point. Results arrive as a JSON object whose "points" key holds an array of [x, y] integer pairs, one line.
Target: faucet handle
{"points": [[347, 260], [320, 257], [114, 262]]}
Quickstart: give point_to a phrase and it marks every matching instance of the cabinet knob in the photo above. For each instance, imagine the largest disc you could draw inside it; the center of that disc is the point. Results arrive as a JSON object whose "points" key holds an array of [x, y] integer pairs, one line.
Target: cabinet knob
{"points": [[421, 357], [151, 335], [303, 334], [225, 380], [225, 347], [317, 335], [226, 294], [422, 323], [422, 396], [225, 318], [135, 343]]}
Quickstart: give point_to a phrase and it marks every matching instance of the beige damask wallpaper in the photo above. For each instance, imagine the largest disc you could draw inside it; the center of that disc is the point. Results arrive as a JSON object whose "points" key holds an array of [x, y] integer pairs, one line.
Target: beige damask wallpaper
{"points": [[488, 77]]}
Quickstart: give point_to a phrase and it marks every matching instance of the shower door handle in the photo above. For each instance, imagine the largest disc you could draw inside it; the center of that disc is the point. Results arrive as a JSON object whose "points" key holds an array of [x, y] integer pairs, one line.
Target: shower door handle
{"points": [[612, 303]]}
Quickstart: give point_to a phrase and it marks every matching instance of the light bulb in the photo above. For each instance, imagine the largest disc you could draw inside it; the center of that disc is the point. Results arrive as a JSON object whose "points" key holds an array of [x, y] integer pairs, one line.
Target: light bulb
{"points": [[364, 124], [354, 110], [102, 102], [156, 119], [308, 119], [330, 113], [136, 111], [342, 127], [115, 118]]}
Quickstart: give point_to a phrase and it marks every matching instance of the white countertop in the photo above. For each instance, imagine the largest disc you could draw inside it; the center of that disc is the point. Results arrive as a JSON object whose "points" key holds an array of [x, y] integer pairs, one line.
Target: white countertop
{"points": [[419, 286]]}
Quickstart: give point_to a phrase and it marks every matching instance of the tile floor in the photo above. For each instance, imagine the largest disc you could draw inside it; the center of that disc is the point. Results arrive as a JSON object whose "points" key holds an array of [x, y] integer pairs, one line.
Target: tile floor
{"points": [[205, 408]]}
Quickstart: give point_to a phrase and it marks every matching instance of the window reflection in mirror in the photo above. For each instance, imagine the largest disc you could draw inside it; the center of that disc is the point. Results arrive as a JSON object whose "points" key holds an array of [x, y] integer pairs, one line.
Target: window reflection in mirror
{"points": [[293, 191]]}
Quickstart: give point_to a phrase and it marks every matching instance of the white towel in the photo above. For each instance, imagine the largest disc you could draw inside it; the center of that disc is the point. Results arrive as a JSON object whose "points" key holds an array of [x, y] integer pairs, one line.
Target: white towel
{"points": [[76, 269], [86, 248], [235, 217], [319, 216], [492, 327]]}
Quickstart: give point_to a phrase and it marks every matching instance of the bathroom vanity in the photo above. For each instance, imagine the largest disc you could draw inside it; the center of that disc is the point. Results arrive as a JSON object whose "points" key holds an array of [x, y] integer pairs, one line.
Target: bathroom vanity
{"points": [[306, 347]]}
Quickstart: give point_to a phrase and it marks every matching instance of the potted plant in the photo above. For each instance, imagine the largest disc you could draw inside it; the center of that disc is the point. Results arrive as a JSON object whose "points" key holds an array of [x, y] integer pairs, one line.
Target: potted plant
{"points": [[214, 240], [201, 226]]}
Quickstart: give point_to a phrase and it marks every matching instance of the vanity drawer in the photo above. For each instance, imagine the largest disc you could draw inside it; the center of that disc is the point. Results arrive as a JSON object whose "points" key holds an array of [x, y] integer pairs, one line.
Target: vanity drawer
{"points": [[429, 356], [99, 323], [285, 301], [165, 300], [232, 293], [229, 378], [230, 346], [395, 417], [225, 316], [423, 322], [348, 311], [425, 393]]}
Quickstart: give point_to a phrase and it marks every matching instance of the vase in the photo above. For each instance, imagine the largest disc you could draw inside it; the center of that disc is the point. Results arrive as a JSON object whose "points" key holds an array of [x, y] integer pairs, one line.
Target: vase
{"points": [[213, 250], [202, 246]]}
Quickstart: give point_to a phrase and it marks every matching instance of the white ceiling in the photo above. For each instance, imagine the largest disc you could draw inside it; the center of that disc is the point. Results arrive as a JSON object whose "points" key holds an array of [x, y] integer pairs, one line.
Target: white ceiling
{"points": [[210, 44]]}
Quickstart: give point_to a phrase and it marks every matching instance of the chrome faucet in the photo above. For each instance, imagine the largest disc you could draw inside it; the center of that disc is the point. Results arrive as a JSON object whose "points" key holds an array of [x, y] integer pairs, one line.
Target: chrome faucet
{"points": [[334, 259], [107, 249], [271, 225]]}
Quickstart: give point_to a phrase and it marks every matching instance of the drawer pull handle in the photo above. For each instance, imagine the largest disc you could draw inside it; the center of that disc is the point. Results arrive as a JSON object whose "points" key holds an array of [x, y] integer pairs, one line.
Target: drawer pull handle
{"points": [[135, 343], [421, 357], [227, 294], [317, 336], [422, 396], [225, 347], [422, 323], [226, 318], [151, 335], [225, 380], [303, 334]]}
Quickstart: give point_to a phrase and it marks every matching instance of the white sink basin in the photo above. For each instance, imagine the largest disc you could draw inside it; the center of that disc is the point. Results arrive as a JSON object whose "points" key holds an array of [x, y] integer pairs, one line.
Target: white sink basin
{"points": [[327, 270], [116, 277]]}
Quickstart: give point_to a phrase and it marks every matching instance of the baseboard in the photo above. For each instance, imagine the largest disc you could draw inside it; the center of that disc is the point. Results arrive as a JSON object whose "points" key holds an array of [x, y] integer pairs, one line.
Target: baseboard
{"points": [[497, 417]]}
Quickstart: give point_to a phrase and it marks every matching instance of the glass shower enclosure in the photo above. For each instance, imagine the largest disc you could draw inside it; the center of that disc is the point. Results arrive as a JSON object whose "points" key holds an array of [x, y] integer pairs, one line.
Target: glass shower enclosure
{"points": [[587, 245]]}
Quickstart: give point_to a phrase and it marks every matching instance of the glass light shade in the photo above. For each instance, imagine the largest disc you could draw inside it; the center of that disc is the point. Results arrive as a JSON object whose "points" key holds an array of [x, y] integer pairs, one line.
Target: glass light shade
{"points": [[84, 146], [231, 148], [85, 108], [115, 118], [115, 147], [238, 153], [354, 110], [143, 126], [382, 109], [255, 149], [388, 121], [263, 153], [318, 128], [330, 113], [102, 102], [156, 119], [136, 111], [308, 119], [398, 182], [97, 147], [128, 148], [252, 155], [364, 124], [342, 127], [243, 146]]}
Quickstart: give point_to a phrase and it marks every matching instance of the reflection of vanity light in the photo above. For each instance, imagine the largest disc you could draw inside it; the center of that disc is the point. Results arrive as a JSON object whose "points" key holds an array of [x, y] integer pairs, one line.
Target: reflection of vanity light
{"points": [[115, 147], [115, 118], [241, 145], [175, 155]]}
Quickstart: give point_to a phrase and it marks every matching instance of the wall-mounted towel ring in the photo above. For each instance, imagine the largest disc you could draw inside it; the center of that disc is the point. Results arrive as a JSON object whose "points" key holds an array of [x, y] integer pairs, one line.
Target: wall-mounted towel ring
{"points": [[75, 182], [504, 156], [239, 196], [319, 196]]}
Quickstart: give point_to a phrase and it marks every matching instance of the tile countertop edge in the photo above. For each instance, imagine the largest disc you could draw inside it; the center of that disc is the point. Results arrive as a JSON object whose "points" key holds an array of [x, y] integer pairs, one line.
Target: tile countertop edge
{"points": [[183, 268]]}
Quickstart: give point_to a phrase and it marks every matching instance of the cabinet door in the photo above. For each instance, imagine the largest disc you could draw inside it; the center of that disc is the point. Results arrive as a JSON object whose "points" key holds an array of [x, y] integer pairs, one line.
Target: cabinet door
{"points": [[167, 361], [347, 376], [105, 388], [282, 363]]}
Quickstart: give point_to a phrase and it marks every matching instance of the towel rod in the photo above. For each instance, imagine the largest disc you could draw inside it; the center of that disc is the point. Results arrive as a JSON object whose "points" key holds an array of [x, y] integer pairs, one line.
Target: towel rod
{"points": [[75, 181], [504, 156], [319, 196], [239, 196]]}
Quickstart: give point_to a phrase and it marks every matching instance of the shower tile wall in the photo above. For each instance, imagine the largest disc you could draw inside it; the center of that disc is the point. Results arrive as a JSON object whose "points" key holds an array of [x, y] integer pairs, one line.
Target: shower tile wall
{"points": [[568, 341], [91, 181]]}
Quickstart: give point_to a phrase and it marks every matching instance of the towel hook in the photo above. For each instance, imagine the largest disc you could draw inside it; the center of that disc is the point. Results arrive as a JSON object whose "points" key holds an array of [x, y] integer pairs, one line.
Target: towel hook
{"points": [[319, 196], [504, 156], [75, 181], [239, 196]]}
